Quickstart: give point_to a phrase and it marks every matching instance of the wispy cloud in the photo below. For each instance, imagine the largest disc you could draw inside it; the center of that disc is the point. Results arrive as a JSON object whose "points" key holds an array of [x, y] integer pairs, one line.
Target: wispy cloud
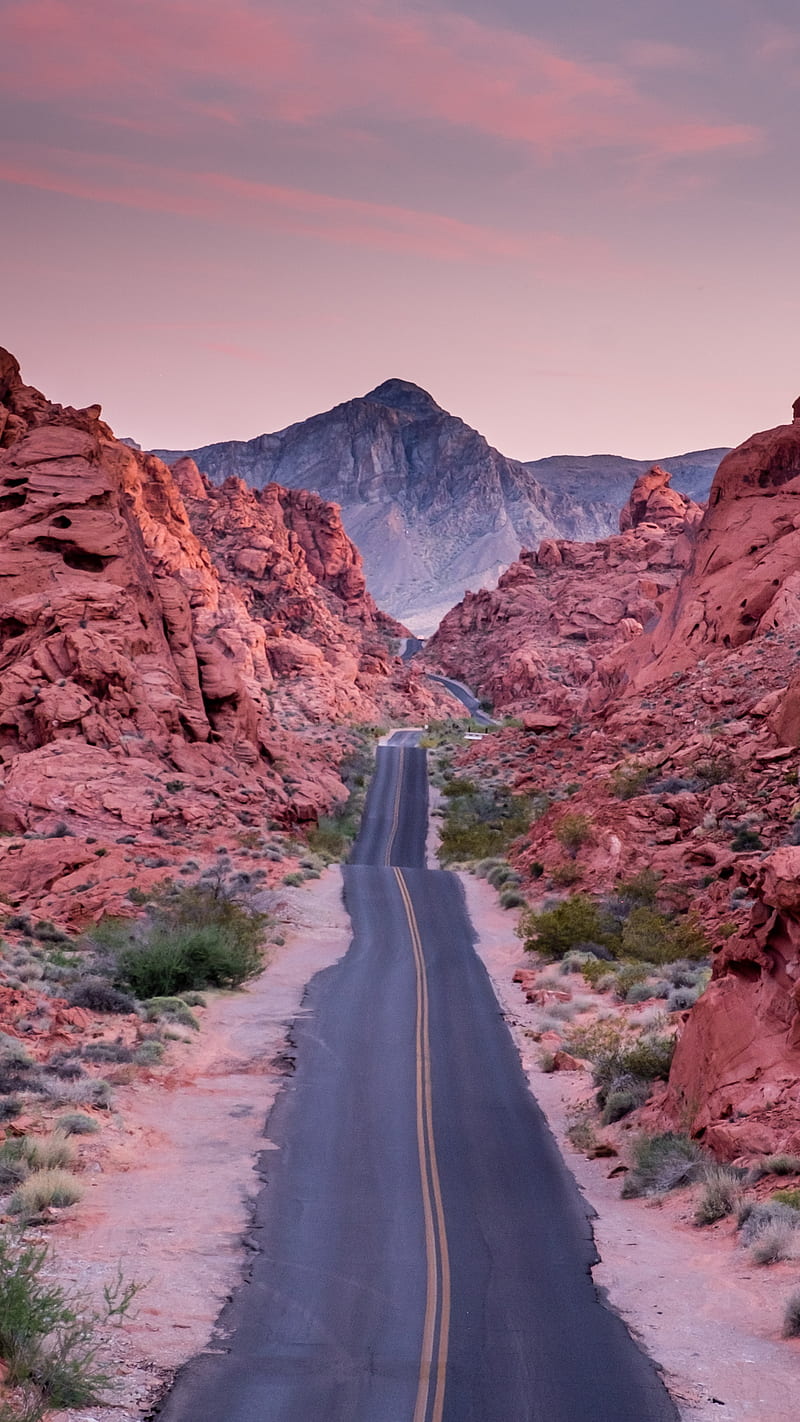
{"points": [[353, 61], [219, 196]]}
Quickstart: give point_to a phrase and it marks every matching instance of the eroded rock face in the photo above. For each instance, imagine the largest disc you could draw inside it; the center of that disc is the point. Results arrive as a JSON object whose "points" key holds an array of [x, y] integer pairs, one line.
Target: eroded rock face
{"points": [[534, 642], [161, 678], [742, 579], [735, 1074]]}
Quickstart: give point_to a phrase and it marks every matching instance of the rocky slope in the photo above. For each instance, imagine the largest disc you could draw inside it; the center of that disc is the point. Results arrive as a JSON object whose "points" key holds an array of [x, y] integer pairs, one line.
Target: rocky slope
{"points": [[679, 755], [431, 506], [531, 645], [160, 682]]}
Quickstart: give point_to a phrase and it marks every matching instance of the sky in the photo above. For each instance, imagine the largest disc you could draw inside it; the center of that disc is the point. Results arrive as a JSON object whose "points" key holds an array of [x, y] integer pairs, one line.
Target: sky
{"points": [[575, 224]]}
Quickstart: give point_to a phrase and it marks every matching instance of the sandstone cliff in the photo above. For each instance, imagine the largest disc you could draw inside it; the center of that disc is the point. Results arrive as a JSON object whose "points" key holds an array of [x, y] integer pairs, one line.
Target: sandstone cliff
{"points": [[159, 680], [533, 643]]}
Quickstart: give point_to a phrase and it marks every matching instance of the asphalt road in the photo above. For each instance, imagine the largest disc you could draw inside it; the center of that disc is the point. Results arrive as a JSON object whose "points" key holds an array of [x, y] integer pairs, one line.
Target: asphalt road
{"points": [[466, 697], [420, 1253]]}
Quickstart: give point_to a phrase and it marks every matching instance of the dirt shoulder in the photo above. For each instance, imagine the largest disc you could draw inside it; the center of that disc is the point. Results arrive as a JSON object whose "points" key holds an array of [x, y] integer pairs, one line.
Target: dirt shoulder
{"points": [[708, 1316], [169, 1194]]}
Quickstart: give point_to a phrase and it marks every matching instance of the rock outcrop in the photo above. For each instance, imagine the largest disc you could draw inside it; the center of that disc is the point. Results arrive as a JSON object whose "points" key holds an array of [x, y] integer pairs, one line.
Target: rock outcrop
{"points": [[534, 642], [742, 580], [735, 1075], [159, 679], [431, 506]]}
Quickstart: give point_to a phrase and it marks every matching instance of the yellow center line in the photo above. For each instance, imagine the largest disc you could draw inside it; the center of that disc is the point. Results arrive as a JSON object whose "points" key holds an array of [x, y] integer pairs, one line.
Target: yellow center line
{"points": [[398, 794], [433, 1361]]}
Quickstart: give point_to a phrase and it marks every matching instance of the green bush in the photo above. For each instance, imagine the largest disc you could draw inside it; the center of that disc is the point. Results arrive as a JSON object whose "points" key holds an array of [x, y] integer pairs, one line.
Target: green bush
{"points": [[788, 1197], [175, 1009], [573, 830], [197, 940], [654, 938], [482, 824], [574, 922], [661, 1163], [628, 779], [594, 969], [46, 1337]]}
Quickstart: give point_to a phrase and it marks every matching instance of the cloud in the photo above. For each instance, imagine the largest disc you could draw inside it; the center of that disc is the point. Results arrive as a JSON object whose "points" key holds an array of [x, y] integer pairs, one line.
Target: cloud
{"points": [[215, 196], [355, 62]]}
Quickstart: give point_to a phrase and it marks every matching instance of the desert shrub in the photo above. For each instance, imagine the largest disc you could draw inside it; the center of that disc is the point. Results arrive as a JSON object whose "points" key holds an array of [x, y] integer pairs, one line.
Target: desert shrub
{"points": [[595, 969], [547, 1062], [98, 995], [74, 1123], [573, 830], [628, 779], [47, 1337], [293, 880], [196, 940], [640, 992], [746, 839], [774, 1244], [575, 921], [574, 961], [655, 938], [629, 974], [10, 1106], [149, 1053], [721, 1195], [682, 998], [791, 1316], [775, 1165], [661, 1163], [511, 898], [55, 1187], [500, 874], [623, 1099], [482, 824], [770, 1230], [47, 1152], [176, 1009], [787, 1197], [641, 890], [458, 787], [107, 1052], [565, 875]]}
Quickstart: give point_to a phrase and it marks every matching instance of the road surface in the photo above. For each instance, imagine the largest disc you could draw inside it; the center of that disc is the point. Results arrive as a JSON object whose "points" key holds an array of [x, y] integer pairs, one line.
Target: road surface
{"points": [[466, 697], [421, 1254]]}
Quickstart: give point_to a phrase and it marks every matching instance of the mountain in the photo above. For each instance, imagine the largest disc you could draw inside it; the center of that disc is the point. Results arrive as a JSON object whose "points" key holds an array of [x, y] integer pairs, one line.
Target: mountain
{"points": [[431, 506], [602, 482]]}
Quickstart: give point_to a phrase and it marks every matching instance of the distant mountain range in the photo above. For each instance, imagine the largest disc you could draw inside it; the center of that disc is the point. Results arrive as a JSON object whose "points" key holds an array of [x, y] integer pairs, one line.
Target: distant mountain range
{"points": [[433, 508]]}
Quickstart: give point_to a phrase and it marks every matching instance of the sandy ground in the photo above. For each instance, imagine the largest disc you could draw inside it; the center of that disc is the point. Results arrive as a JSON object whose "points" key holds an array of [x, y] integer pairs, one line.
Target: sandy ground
{"points": [[176, 1170], [709, 1318]]}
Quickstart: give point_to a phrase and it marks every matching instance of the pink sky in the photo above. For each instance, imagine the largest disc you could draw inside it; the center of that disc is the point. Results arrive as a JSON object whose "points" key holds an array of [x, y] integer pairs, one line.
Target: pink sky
{"points": [[577, 229]]}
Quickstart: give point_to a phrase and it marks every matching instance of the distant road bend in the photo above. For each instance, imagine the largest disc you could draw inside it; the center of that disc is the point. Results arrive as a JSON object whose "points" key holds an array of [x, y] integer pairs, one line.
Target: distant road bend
{"points": [[421, 1253]]}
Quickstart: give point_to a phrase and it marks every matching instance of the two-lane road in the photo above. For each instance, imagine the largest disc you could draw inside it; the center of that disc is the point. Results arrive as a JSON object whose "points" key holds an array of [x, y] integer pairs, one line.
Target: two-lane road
{"points": [[422, 1254]]}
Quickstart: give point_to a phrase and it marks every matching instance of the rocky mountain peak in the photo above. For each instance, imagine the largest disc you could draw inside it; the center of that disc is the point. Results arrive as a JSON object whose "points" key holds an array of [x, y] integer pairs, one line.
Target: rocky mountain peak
{"points": [[405, 396]]}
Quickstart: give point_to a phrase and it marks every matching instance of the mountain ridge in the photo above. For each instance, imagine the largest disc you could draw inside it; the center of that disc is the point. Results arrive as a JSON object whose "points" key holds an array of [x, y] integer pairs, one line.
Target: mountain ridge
{"points": [[433, 507]]}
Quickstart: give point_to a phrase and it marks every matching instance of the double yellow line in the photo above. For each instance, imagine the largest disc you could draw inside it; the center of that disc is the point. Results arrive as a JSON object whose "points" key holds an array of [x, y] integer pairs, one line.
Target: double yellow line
{"points": [[398, 795], [436, 1328]]}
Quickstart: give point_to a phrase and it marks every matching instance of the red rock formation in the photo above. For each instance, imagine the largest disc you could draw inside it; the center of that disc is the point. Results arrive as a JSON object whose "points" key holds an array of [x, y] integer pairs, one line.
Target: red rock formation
{"points": [[534, 642], [742, 579], [132, 649], [735, 1074]]}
